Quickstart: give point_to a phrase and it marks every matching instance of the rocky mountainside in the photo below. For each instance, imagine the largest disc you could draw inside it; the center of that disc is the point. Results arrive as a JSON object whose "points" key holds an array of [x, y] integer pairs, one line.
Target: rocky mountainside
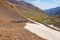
{"points": [[12, 24]]}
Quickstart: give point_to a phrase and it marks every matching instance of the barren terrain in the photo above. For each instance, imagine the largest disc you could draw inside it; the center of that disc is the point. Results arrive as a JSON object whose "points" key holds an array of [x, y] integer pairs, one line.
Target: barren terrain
{"points": [[12, 25]]}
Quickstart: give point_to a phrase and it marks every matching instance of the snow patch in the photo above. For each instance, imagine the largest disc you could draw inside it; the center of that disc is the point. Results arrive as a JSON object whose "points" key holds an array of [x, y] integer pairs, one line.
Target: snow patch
{"points": [[43, 31]]}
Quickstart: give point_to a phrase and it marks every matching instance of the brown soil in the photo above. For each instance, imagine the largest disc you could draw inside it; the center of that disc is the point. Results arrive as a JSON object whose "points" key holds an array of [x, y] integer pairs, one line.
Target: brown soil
{"points": [[16, 31]]}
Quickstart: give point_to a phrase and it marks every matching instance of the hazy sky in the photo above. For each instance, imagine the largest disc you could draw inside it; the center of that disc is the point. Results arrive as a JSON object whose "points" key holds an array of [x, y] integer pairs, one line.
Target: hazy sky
{"points": [[45, 4]]}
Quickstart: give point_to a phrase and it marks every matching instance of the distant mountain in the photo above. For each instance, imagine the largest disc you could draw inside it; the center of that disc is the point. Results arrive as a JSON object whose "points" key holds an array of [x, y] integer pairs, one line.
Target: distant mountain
{"points": [[57, 14], [53, 11]]}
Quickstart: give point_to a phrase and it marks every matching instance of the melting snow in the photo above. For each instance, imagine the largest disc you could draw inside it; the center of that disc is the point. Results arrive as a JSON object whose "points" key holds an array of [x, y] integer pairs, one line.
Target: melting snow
{"points": [[43, 31]]}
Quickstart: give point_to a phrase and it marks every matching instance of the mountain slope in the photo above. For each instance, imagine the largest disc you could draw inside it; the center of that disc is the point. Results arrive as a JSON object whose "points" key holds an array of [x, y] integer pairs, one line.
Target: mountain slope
{"points": [[10, 13], [12, 24], [29, 10], [34, 13]]}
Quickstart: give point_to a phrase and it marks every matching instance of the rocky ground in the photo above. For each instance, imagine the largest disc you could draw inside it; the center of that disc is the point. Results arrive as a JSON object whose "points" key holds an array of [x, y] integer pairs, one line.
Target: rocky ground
{"points": [[16, 31]]}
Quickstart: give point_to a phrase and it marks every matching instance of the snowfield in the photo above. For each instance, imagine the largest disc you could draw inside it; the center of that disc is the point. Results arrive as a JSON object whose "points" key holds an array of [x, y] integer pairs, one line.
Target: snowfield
{"points": [[43, 31]]}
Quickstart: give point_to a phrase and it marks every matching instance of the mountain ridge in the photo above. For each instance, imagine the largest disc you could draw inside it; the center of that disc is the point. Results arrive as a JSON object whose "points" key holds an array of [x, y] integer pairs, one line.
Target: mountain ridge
{"points": [[52, 11]]}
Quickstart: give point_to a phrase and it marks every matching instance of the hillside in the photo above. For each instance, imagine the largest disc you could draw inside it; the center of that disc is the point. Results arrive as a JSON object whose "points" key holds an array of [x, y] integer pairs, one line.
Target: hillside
{"points": [[35, 13], [12, 24], [18, 22], [29, 10]]}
